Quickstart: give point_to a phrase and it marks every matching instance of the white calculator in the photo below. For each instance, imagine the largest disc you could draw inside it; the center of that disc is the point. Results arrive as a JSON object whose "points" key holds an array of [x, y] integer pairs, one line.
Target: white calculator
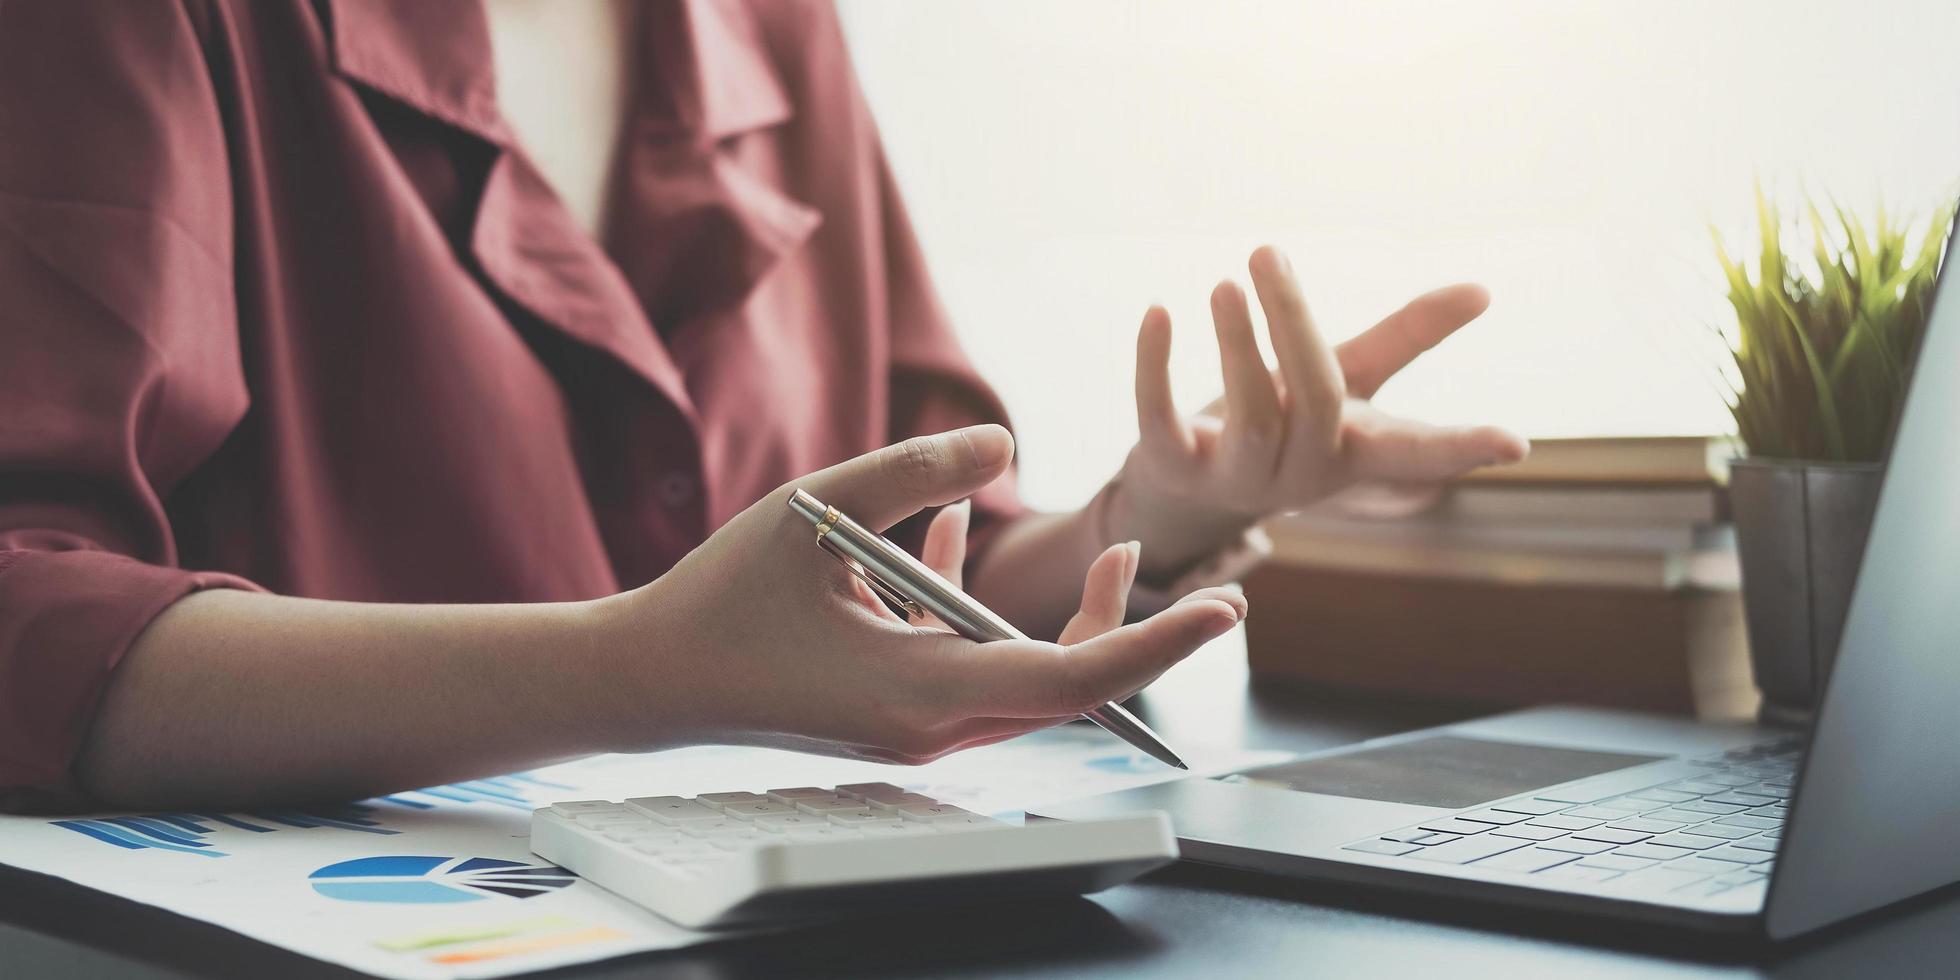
{"points": [[725, 858]]}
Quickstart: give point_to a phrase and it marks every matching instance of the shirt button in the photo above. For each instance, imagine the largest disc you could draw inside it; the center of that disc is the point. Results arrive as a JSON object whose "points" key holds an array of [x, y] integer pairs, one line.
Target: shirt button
{"points": [[674, 489]]}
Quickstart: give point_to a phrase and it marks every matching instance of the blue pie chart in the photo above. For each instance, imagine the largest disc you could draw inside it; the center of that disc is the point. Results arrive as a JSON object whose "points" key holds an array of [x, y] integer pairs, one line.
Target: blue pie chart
{"points": [[1135, 762], [429, 880]]}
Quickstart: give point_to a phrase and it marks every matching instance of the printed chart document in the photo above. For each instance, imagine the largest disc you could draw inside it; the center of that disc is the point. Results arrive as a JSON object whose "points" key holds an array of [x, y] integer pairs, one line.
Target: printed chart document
{"points": [[441, 882]]}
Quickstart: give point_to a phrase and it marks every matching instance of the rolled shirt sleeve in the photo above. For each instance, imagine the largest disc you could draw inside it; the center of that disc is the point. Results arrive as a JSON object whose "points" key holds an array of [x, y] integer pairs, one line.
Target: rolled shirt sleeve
{"points": [[119, 366], [173, 178]]}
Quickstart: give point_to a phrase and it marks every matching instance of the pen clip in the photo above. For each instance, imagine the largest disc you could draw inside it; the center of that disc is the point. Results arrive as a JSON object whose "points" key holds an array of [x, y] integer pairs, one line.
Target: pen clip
{"points": [[870, 578]]}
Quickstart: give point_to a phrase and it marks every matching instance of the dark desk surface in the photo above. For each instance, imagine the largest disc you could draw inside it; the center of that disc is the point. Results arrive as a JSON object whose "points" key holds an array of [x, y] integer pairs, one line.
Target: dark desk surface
{"points": [[1182, 922]]}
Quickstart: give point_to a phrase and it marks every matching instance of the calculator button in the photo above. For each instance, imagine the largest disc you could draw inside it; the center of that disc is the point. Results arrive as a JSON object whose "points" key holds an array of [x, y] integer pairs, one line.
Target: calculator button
{"points": [[790, 820], [795, 793], [821, 807], [865, 818], [719, 800], [902, 801], [927, 811], [672, 809], [749, 811], [872, 791], [572, 810]]}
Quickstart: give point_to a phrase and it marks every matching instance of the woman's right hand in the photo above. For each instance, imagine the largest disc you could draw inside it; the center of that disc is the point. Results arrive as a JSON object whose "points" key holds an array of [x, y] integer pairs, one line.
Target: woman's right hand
{"points": [[759, 637]]}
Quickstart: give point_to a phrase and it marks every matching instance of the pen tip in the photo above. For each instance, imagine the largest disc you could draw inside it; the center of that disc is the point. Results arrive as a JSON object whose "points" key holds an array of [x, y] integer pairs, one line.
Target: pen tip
{"points": [[1180, 764]]}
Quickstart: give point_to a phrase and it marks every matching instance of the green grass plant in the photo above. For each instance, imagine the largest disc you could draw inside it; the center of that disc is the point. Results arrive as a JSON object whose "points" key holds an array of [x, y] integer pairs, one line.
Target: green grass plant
{"points": [[1824, 338]]}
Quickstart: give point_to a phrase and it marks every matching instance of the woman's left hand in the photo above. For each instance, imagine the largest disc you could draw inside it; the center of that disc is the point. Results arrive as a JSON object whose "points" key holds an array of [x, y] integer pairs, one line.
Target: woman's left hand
{"points": [[1280, 440]]}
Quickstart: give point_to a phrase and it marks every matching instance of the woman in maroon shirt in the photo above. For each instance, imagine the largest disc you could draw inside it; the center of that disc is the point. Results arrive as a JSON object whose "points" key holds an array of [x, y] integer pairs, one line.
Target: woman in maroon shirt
{"points": [[348, 445]]}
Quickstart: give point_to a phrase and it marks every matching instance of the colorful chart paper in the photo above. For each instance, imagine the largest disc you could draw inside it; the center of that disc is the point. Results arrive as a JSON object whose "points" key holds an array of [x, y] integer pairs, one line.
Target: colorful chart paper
{"points": [[440, 882]]}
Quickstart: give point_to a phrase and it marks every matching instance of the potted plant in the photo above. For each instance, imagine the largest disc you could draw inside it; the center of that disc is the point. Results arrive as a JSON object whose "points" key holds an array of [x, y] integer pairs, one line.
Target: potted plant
{"points": [[1822, 345]]}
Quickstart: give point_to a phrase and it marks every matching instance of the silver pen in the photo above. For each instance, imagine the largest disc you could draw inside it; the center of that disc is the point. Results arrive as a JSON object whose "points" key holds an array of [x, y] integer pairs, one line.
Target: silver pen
{"points": [[907, 583]]}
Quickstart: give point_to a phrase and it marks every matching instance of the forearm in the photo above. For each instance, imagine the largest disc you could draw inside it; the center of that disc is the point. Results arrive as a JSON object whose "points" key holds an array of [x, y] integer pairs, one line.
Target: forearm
{"points": [[231, 698]]}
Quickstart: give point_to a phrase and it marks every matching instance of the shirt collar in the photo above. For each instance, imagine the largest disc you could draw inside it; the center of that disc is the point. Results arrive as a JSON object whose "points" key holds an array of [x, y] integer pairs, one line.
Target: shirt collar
{"points": [[710, 74], [707, 74]]}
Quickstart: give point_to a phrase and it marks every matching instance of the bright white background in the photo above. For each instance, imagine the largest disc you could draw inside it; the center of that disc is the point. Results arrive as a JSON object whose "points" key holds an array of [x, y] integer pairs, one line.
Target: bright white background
{"points": [[1068, 163]]}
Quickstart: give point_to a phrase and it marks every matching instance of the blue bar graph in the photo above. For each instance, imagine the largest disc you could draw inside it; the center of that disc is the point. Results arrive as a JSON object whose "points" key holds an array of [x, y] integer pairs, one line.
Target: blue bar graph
{"points": [[185, 833]]}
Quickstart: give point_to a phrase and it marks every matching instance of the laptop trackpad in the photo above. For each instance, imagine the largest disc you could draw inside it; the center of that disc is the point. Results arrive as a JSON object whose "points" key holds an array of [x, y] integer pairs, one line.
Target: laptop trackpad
{"points": [[1442, 771]]}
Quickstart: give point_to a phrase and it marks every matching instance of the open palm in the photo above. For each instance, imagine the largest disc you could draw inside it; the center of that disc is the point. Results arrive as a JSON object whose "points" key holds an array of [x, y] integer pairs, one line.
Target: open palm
{"points": [[1282, 439]]}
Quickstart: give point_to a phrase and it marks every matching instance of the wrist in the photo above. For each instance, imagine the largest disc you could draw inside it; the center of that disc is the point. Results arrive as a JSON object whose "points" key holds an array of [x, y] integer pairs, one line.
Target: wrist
{"points": [[608, 646], [1177, 534]]}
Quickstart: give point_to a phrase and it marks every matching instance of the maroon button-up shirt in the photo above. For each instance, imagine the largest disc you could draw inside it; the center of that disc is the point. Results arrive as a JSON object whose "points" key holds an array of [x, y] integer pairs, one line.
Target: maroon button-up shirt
{"points": [[283, 305]]}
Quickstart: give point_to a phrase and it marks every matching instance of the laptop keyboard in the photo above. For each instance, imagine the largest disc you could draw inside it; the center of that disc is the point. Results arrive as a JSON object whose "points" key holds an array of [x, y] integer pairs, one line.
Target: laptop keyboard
{"points": [[1714, 832]]}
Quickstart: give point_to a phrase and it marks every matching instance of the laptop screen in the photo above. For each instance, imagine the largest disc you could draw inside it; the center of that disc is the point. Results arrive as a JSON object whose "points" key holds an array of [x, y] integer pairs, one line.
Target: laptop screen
{"points": [[1873, 817]]}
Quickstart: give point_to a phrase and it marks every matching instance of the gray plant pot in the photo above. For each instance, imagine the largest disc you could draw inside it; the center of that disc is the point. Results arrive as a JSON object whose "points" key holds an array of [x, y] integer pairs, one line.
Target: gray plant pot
{"points": [[1800, 529]]}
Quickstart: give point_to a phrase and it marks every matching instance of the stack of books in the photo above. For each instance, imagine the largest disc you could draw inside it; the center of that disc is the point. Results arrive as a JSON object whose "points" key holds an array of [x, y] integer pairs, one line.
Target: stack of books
{"points": [[1599, 571]]}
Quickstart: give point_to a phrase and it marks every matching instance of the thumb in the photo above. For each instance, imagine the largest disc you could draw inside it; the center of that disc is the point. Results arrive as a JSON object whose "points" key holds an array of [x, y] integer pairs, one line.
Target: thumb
{"points": [[883, 487]]}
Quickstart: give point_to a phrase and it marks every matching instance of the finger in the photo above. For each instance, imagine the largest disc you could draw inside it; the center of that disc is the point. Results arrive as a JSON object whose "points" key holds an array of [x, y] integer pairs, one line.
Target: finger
{"points": [[1370, 359], [885, 486], [1401, 450], [869, 600], [1314, 385], [1219, 593], [945, 547], [1105, 593], [1159, 426], [1252, 409], [1026, 679]]}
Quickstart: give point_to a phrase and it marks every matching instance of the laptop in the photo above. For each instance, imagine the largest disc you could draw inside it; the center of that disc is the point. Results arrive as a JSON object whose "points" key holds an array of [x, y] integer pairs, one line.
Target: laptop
{"points": [[1732, 829]]}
